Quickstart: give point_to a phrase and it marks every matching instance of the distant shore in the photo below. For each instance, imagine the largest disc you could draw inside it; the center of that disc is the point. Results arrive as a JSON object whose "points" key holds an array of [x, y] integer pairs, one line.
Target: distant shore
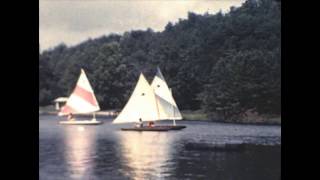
{"points": [[250, 119], [50, 111], [187, 115]]}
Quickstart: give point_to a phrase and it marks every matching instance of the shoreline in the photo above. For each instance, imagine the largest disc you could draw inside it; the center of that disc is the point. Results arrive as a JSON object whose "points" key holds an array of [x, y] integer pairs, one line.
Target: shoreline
{"points": [[239, 123], [188, 115], [109, 114], [251, 119], [98, 114]]}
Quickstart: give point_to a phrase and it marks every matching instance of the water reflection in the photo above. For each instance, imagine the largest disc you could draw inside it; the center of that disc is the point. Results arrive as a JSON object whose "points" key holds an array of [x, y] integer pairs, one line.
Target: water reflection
{"points": [[256, 162], [104, 152], [146, 155], [80, 148]]}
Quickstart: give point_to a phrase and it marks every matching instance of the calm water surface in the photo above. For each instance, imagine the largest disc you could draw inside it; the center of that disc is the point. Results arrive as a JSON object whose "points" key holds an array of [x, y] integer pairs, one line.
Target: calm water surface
{"points": [[104, 152]]}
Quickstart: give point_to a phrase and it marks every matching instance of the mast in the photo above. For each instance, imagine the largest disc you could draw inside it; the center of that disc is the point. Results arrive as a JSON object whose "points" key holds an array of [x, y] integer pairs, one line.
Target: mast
{"points": [[174, 120], [156, 102], [94, 117]]}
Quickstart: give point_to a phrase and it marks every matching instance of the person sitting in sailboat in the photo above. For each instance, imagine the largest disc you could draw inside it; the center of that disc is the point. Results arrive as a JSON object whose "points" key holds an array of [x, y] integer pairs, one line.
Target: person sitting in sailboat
{"points": [[70, 117], [140, 124], [151, 124]]}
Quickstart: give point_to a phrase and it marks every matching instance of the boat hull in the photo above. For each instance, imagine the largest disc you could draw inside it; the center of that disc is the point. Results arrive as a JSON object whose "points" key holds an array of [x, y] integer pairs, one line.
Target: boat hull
{"points": [[146, 129], [174, 127], [155, 128], [88, 122]]}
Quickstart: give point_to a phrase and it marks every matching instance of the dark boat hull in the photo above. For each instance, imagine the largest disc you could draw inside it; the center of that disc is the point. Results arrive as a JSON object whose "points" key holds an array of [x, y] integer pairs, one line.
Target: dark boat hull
{"points": [[156, 128], [146, 129], [171, 127]]}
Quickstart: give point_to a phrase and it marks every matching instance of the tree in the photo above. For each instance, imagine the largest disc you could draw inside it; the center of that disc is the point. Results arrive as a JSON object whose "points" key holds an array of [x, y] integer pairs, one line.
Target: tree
{"points": [[225, 64]]}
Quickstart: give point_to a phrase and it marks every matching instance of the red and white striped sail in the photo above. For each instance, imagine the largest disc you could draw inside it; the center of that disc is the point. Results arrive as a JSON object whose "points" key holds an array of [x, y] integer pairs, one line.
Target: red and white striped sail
{"points": [[82, 99]]}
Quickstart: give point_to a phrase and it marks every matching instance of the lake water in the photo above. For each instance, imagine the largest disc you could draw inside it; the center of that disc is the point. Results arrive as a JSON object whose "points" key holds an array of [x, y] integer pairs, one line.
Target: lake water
{"points": [[105, 153]]}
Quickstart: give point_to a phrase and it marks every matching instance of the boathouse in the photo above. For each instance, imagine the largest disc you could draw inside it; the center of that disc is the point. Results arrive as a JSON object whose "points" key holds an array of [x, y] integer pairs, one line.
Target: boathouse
{"points": [[59, 102]]}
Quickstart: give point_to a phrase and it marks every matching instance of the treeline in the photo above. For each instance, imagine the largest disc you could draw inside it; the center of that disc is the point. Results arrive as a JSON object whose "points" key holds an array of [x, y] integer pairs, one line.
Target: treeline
{"points": [[225, 64]]}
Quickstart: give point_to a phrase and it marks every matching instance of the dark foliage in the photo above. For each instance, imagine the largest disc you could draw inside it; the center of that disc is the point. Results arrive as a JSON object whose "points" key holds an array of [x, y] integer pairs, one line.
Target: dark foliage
{"points": [[225, 64]]}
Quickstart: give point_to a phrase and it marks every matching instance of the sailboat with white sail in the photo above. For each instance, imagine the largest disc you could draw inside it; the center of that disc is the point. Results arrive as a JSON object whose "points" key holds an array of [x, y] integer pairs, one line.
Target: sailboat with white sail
{"points": [[165, 101], [81, 101], [142, 107]]}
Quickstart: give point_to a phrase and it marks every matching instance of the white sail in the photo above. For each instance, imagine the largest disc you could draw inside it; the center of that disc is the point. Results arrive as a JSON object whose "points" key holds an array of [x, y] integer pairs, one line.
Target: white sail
{"points": [[141, 105], [167, 106], [82, 99]]}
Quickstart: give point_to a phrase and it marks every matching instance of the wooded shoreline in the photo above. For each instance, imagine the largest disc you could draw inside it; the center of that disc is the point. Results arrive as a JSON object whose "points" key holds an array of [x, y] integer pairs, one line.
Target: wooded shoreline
{"points": [[225, 63], [187, 116]]}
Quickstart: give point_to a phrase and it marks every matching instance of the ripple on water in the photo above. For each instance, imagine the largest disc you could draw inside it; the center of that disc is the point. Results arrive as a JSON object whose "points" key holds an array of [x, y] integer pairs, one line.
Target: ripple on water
{"points": [[104, 152]]}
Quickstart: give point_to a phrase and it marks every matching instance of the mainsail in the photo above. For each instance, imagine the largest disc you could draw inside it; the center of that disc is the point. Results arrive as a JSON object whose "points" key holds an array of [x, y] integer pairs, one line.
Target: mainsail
{"points": [[167, 106], [82, 99], [141, 105]]}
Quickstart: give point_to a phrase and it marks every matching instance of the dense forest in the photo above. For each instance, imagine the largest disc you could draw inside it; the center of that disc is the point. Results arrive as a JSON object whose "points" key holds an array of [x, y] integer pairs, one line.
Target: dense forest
{"points": [[225, 64]]}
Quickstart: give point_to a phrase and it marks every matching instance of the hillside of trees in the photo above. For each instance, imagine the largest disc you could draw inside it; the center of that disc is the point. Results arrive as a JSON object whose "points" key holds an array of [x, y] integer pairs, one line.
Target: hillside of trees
{"points": [[223, 64]]}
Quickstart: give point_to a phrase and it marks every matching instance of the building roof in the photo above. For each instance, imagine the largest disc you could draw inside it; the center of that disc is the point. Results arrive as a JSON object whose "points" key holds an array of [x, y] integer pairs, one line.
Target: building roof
{"points": [[61, 99]]}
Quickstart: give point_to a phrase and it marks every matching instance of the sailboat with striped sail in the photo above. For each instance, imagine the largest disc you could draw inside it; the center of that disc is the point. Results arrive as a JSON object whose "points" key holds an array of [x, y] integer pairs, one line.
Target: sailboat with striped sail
{"points": [[81, 101], [165, 101]]}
